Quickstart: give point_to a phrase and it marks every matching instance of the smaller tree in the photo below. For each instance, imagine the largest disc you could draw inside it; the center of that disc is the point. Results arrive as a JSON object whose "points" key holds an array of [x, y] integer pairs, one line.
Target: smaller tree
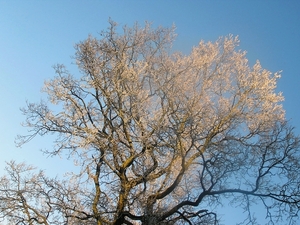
{"points": [[28, 196], [24, 198]]}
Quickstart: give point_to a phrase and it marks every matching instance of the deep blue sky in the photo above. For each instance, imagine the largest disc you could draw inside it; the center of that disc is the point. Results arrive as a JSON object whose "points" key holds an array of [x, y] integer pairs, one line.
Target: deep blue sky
{"points": [[35, 35]]}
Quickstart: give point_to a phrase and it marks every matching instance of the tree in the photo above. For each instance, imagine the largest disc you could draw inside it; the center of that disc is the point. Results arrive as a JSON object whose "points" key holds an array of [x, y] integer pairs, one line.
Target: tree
{"points": [[30, 197], [162, 137]]}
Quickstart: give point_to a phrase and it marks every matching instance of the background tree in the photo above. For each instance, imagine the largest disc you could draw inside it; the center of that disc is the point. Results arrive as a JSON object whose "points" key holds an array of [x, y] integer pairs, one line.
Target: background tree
{"points": [[164, 138], [29, 197], [24, 198]]}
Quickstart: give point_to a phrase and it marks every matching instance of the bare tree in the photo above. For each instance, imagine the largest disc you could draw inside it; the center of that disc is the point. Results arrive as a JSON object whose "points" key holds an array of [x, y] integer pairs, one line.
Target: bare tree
{"points": [[28, 196], [164, 138], [23, 199]]}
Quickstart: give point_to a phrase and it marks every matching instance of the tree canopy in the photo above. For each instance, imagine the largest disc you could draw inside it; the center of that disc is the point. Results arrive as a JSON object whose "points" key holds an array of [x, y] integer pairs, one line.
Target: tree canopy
{"points": [[160, 137]]}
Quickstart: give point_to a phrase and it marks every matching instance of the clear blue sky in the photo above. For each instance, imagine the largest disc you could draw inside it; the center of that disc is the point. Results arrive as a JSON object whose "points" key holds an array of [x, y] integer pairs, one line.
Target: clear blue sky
{"points": [[35, 35]]}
